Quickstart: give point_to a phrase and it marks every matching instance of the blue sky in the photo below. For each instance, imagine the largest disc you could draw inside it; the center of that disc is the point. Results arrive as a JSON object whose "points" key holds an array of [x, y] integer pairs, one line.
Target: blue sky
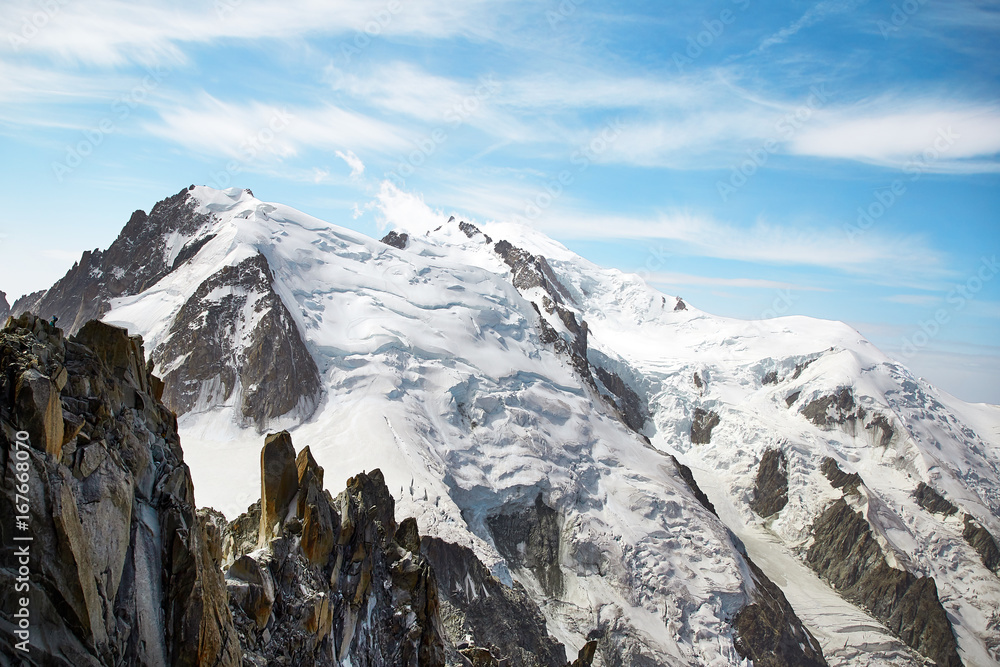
{"points": [[832, 159]]}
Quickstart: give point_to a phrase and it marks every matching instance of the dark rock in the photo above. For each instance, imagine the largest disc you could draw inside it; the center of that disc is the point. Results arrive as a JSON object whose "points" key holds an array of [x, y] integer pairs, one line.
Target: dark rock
{"points": [[680, 305], [478, 606], [688, 477], [471, 230], [881, 429], [932, 501], [698, 382], [769, 633], [190, 250], [771, 377], [840, 479], [529, 538], [278, 483], [344, 590], [791, 398], [983, 542], [771, 488], [4, 307], [830, 410], [585, 658], [407, 535], [701, 426], [396, 239], [274, 367], [631, 408], [134, 262], [123, 569], [801, 367], [846, 554]]}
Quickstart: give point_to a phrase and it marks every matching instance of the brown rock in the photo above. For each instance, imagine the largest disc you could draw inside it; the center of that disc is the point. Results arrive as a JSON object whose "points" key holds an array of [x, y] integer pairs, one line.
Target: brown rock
{"points": [[278, 483], [37, 399]]}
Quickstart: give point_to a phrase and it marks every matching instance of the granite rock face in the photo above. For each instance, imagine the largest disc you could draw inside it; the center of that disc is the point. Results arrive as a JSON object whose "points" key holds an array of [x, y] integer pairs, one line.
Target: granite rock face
{"points": [[482, 616], [771, 488], [983, 542], [846, 554], [4, 307], [529, 538], [702, 424], [233, 335], [211, 351], [136, 260], [317, 580], [122, 568], [932, 501]]}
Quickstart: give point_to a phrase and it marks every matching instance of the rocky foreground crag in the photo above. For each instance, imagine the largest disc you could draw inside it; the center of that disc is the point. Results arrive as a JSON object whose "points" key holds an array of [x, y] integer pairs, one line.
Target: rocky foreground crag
{"points": [[125, 571]]}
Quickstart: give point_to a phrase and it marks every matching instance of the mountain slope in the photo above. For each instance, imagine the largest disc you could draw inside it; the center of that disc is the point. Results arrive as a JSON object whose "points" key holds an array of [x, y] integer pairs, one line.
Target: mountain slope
{"points": [[526, 403]]}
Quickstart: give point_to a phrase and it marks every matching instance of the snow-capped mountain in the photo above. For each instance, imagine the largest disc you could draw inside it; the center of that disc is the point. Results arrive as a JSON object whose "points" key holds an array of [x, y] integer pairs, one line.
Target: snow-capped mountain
{"points": [[646, 470]]}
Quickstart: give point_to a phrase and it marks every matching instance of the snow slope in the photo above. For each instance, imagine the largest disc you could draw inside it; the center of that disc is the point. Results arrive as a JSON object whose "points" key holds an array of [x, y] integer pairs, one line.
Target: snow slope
{"points": [[435, 373]]}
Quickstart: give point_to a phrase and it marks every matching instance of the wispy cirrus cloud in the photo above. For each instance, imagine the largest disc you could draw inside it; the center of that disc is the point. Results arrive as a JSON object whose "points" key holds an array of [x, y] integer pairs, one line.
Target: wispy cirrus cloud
{"points": [[118, 32]]}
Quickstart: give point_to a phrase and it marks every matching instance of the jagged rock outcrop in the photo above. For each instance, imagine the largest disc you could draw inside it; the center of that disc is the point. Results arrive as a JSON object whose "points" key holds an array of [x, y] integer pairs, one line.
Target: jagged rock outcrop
{"points": [[688, 477], [983, 542], [766, 630], [211, 352], [234, 335], [771, 377], [121, 567], [771, 487], [769, 633], [845, 553], [827, 411], [471, 231], [317, 580], [4, 307], [136, 260], [396, 239], [680, 305], [840, 479], [630, 406], [932, 501], [478, 609], [529, 538], [702, 424]]}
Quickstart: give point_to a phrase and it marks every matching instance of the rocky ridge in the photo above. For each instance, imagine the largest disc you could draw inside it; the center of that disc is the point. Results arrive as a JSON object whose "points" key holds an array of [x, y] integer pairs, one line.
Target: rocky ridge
{"points": [[121, 571], [232, 340]]}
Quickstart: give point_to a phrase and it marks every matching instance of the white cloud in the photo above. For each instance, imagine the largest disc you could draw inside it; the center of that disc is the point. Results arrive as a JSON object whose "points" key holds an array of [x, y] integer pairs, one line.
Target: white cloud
{"points": [[937, 139], [353, 161], [665, 278], [261, 132], [115, 32], [398, 209], [893, 261]]}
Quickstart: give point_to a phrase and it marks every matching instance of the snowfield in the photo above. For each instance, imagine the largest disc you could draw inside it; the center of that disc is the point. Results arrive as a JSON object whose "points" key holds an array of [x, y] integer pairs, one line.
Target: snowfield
{"points": [[434, 371]]}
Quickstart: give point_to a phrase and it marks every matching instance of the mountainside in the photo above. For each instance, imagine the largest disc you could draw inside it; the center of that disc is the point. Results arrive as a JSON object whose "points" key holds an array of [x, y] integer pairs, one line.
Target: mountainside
{"points": [[678, 488]]}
